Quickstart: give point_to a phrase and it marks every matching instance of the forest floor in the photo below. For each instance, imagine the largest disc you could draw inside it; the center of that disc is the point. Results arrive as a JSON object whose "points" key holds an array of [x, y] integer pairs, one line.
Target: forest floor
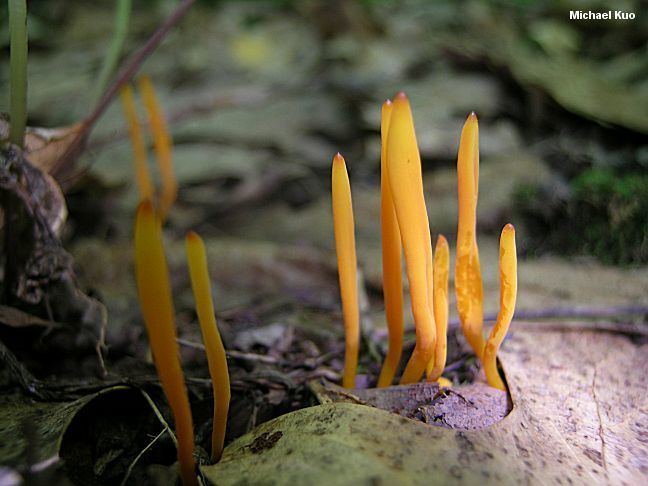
{"points": [[259, 98]]}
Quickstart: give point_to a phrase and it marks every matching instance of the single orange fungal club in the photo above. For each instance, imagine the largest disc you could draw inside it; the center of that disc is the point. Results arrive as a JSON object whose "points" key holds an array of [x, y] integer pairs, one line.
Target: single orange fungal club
{"points": [[508, 294], [216, 358], [441, 270], [343, 226], [154, 290], [142, 177], [391, 262], [468, 281]]}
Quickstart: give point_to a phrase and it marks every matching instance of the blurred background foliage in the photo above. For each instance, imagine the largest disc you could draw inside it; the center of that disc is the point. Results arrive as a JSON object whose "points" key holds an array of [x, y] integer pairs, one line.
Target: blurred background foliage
{"points": [[261, 94]]}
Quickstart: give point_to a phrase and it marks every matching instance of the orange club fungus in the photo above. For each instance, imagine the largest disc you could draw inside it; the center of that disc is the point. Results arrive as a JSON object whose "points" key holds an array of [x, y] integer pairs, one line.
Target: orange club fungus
{"points": [[468, 280], [216, 359], [441, 270], [154, 289], [347, 266], [406, 183], [508, 294], [142, 177], [152, 276], [162, 145], [391, 262], [405, 228]]}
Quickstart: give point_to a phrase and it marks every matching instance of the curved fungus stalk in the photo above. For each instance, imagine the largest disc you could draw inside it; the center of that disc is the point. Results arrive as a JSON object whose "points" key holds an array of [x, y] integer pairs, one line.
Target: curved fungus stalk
{"points": [[343, 226], [142, 177], [508, 294], [216, 357], [391, 262], [405, 180], [162, 145], [441, 271], [468, 281], [154, 289]]}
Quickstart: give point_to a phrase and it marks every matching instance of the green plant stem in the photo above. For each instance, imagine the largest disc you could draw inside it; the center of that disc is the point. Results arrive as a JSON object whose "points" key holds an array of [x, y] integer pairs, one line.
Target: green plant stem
{"points": [[18, 62], [122, 19]]}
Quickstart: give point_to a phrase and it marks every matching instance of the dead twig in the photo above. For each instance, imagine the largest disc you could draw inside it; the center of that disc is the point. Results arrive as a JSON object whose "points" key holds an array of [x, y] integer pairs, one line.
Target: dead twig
{"points": [[160, 417], [12, 317], [138, 457], [251, 357], [577, 312], [609, 327]]}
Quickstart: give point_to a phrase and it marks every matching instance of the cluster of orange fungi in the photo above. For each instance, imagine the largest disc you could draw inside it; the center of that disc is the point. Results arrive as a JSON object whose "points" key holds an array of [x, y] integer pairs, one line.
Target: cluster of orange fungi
{"points": [[406, 231]]}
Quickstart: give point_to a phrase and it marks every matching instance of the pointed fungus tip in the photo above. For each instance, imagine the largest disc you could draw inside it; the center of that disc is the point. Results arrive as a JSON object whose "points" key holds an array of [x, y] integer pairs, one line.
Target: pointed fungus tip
{"points": [[145, 207], [509, 227], [192, 236], [400, 96], [441, 240], [338, 158], [472, 116], [387, 102]]}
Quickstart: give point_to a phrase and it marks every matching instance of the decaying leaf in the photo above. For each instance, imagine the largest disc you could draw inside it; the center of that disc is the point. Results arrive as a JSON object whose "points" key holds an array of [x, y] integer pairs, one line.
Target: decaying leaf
{"points": [[31, 432], [468, 407], [578, 418], [38, 273], [44, 147]]}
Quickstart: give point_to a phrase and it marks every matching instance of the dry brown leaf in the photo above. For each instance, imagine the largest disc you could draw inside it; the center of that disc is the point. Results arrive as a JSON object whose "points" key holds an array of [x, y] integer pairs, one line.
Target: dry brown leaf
{"points": [[38, 273], [580, 399], [44, 147]]}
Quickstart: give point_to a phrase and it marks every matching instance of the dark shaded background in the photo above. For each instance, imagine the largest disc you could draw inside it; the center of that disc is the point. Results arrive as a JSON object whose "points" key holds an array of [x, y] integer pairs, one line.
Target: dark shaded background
{"points": [[260, 95], [265, 92]]}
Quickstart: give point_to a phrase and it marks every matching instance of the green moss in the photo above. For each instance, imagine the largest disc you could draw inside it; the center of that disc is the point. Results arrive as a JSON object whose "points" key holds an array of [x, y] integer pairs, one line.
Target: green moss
{"points": [[602, 214]]}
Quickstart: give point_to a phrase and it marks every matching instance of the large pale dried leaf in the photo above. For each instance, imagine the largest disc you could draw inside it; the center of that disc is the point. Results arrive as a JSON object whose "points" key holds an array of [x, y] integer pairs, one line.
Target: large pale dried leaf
{"points": [[579, 417]]}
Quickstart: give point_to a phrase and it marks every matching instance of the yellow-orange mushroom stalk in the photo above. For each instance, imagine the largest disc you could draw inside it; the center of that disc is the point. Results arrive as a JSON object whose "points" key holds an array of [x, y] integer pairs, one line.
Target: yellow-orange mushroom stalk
{"points": [[468, 282], [406, 184], [142, 177], [343, 226], [391, 262], [216, 359], [441, 271], [162, 145], [154, 289], [508, 294]]}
